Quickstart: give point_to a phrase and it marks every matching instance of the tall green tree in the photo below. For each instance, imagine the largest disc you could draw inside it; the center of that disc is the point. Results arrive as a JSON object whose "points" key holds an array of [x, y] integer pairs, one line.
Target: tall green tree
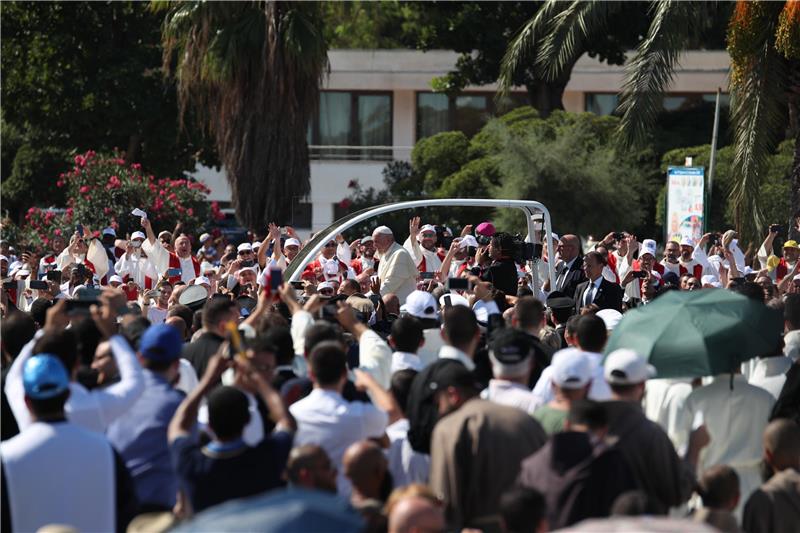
{"points": [[79, 76], [480, 33], [251, 72], [762, 40]]}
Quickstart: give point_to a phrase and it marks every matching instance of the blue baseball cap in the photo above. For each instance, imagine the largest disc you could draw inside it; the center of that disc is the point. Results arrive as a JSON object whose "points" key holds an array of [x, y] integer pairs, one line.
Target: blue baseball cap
{"points": [[44, 376], [161, 343]]}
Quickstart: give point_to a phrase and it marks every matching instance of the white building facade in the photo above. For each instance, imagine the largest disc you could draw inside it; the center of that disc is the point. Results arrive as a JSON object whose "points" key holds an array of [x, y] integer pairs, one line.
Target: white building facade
{"points": [[376, 104]]}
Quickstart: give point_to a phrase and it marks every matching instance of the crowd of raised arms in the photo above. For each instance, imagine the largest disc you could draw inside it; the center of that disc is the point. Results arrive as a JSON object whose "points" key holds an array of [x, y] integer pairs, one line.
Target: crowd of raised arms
{"points": [[431, 381]]}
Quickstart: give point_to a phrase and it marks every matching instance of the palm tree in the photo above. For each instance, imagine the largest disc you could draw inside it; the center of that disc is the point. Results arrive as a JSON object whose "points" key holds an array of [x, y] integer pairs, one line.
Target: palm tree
{"points": [[763, 42], [250, 72]]}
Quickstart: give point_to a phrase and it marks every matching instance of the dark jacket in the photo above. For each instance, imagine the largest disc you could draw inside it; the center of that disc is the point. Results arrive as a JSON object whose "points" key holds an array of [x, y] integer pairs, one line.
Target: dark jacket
{"points": [[660, 473], [608, 295], [573, 278], [578, 480], [200, 351]]}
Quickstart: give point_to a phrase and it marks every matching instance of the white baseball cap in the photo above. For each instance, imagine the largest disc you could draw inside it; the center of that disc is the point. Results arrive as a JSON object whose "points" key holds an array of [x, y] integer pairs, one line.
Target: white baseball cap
{"points": [[572, 368], [365, 240], [115, 279], [686, 241], [291, 242], [110, 231], [648, 247], [326, 285], [244, 247], [420, 304], [708, 279], [611, 318], [250, 268], [468, 240], [427, 227], [138, 235], [455, 299], [626, 367], [483, 309], [204, 237], [202, 280]]}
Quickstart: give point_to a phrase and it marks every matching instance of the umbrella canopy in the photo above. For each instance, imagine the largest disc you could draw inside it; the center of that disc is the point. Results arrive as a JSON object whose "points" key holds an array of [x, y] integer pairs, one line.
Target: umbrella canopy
{"points": [[284, 511], [686, 334]]}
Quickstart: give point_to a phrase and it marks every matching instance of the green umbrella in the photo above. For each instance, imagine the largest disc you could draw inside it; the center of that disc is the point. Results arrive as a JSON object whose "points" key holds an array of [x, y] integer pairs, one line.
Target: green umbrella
{"points": [[686, 334]]}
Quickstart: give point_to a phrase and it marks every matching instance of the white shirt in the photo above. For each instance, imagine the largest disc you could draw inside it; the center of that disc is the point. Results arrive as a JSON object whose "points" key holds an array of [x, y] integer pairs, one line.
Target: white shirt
{"points": [[432, 261], [769, 373], [406, 465], [375, 357], [791, 345], [159, 256], [405, 360], [326, 419], [188, 377], [429, 352], [60, 473], [511, 394], [137, 267], [94, 409], [735, 420], [156, 315], [664, 401], [450, 352], [598, 391]]}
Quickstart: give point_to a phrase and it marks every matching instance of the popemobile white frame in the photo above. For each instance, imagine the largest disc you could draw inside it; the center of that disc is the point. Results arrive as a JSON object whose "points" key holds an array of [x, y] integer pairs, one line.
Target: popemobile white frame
{"points": [[533, 211]]}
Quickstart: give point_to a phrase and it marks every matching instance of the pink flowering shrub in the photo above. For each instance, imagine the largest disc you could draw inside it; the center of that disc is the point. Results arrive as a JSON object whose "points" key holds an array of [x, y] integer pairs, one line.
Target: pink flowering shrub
{"points": [[102, 190]]}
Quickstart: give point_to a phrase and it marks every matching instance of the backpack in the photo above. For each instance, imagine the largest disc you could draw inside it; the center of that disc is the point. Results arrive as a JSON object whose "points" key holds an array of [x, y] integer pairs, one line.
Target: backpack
{"points": [[422, 410]]}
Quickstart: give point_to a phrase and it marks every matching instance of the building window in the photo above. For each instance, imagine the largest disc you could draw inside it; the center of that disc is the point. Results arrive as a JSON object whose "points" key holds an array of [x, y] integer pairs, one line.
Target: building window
{"points": [[606, 104], [601, 104], [467, 112], [352, 125], [301, 215]]}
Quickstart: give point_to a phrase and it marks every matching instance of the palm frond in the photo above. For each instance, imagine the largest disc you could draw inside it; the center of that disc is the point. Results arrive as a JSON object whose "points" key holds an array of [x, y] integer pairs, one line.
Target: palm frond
{"points": [[567, 32], [650, 72], [250, 72], [520, 53], [758, 112]]}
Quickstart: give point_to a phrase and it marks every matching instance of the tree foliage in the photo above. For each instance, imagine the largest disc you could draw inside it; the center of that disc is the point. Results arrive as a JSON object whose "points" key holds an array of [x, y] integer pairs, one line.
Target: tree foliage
{"points": [[78, 76]]}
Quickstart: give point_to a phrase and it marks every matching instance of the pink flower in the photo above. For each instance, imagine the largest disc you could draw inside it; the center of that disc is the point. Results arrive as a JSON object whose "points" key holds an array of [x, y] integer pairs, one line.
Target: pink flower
{"points": [[106, 210], [190, 212], [57, 231], [80, 160], [70, 211], [84, 189], [136, 166], [113, 183], [60, 183], [172, 197], [345, 204], [352, 184]]}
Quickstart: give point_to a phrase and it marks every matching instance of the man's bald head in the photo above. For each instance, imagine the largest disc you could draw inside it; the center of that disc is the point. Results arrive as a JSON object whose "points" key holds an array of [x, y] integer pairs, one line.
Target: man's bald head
{"points": [[569, 247], [782, 444], [310, 467], [416, 513], [365, 466]]}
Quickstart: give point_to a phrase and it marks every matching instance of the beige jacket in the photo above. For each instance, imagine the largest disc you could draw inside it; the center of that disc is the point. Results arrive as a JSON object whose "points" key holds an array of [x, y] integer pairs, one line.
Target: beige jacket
{"points": [[397, 272]]}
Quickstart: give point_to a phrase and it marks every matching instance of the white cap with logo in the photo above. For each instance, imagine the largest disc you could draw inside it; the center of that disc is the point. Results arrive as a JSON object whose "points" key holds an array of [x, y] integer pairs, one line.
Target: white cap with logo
{"points": [[648, 247]]}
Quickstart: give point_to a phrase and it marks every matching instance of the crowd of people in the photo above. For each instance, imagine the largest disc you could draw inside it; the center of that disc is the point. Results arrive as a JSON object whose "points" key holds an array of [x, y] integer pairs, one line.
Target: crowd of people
{"points": [[439, 382]]}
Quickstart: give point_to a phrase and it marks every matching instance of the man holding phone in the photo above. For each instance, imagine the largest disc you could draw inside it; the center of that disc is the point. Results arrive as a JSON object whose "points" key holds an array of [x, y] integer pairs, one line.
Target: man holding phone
{"points": [[134, 264]]}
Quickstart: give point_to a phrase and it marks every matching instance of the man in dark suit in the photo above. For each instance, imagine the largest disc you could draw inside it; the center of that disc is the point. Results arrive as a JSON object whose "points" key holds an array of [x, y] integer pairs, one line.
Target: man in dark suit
{"points": [[569, 271], [596, 289]]}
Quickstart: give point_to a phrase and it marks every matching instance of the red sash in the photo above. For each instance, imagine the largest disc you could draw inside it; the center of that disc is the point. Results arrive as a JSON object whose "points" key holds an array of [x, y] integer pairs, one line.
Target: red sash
{"points": [[175, 262], [781, 270]]}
